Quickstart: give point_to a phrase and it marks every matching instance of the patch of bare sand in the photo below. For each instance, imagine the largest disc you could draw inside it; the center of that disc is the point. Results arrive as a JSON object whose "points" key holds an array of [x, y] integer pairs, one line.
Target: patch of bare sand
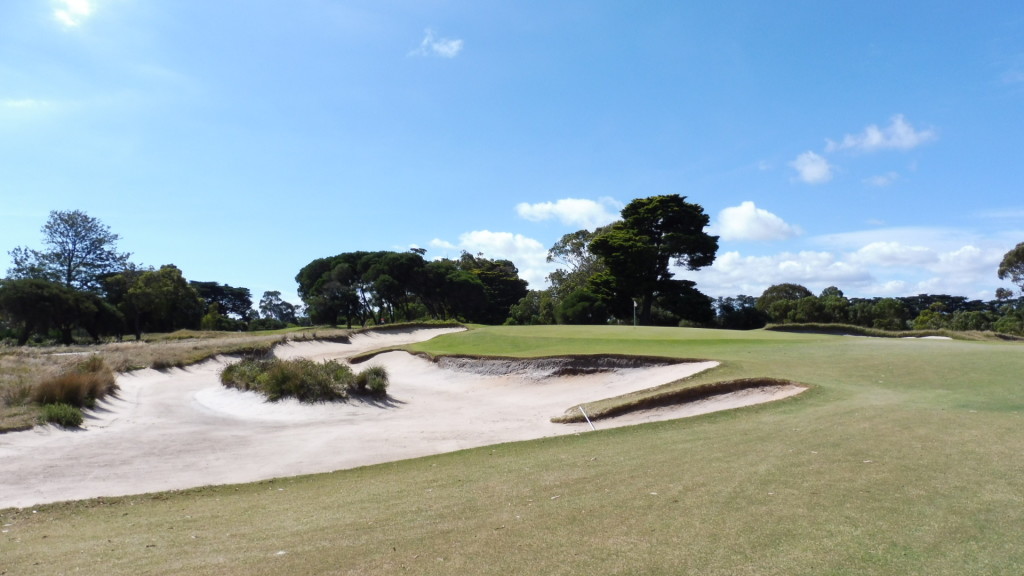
{"points": [[180, 428]]}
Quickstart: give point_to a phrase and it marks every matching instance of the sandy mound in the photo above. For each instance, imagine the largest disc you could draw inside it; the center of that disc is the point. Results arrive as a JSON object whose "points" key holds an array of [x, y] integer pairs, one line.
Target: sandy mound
{"points": [[181, 428]]}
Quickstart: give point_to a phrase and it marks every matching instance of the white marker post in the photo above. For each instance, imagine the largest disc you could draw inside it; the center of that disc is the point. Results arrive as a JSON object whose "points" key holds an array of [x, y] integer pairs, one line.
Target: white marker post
{"points": [[587, 418]]}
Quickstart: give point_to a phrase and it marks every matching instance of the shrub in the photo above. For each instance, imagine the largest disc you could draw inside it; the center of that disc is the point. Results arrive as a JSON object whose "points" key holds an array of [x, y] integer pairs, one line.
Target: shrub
{"points": [[303, 379], [62, 414], [374, 380], [88, 382]]}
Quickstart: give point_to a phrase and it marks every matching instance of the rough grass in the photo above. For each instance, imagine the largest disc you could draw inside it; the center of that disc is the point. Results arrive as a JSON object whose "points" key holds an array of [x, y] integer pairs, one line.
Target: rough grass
{"points": [[23, 369], [904, 458], [81, 387]]}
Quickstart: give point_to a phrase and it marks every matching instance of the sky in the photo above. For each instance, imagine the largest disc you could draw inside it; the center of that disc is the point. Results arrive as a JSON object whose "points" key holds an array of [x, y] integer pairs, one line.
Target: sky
{"points": [[872, 146]]}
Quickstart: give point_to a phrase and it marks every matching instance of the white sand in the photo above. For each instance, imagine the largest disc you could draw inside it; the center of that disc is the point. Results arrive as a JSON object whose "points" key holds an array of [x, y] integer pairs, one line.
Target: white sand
{"points": [[181, 428]]}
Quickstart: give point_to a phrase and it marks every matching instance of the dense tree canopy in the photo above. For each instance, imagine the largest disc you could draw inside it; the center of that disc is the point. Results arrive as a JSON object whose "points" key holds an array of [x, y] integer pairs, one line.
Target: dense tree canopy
{"points": [[79, 251], [384, 287], [231, 301], [654, 234], [156, 300], [37, 306]]}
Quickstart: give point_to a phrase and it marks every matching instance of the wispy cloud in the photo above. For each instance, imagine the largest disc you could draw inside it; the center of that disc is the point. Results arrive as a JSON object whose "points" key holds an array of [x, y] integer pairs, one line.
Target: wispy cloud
{"points": [[432, 46], [882, 180], [899, 135], [588, 214], [72, 13], [812, 168], [748, 222]]}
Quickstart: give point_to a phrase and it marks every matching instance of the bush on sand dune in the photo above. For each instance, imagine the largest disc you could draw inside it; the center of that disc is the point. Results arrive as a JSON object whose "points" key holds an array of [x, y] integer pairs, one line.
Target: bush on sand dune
{"points": [[304, 380]]}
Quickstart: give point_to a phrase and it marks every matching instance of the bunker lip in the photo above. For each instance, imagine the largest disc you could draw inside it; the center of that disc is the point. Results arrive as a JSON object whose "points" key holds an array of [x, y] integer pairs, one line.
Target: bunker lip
{"points": [[720, 395], [553, 366], [180, 428]]}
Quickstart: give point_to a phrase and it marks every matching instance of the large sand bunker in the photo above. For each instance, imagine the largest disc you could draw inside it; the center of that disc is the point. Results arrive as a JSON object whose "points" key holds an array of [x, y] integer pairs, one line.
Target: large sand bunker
{"points": [[180, 428]]}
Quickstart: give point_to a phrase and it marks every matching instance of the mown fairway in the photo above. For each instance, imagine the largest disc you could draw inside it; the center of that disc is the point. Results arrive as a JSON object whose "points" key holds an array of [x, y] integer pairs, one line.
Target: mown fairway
{"points": [[905, 457]]}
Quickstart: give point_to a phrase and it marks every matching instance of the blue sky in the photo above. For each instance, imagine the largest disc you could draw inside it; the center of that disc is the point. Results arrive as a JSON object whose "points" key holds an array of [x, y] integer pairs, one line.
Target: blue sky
{"points": [[874, 146]]}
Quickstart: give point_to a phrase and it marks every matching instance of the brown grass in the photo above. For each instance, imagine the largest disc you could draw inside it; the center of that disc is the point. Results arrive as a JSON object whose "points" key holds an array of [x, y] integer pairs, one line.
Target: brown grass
{"points": [[80, 389], [28, 374]]}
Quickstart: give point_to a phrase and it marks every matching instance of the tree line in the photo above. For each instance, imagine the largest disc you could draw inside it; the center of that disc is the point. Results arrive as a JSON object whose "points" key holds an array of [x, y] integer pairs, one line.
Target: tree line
{"points": [[795, 304], [80, 282], [621, 273], [384, 287]]}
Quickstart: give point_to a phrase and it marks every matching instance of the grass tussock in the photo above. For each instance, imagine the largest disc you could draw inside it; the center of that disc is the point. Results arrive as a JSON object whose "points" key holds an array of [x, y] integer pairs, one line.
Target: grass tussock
{"points": [[373, 381], [303, 379], [89, 382]]}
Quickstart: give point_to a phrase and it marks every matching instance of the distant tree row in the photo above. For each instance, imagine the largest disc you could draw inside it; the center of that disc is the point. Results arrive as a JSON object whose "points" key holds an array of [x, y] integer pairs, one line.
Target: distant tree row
{"points": [[383, 287], [793, 303], [80, 282]]}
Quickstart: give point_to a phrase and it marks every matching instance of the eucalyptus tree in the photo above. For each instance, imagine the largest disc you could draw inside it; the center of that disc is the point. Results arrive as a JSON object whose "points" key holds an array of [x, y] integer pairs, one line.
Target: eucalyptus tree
{"points": [[1012, 266], [78, 252]]}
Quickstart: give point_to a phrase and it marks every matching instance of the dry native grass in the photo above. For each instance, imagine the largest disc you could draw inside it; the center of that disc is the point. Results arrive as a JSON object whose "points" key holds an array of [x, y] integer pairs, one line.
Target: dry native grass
{"points": [[29, 375]]}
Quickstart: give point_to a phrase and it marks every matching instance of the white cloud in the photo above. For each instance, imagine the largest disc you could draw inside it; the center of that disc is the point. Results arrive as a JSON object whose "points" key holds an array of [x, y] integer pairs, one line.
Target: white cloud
{"points": [[572, 211], [882, 180], [884, 262], [895, 254], [529, 255], [748, 222], [899, 135], [443, 47], [71, 13], [733, 274], [811, 168]]}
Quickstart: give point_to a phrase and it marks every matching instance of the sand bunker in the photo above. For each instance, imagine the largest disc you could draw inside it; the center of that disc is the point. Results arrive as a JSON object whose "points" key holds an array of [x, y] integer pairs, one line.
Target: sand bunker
{"points": [[180, 428]]}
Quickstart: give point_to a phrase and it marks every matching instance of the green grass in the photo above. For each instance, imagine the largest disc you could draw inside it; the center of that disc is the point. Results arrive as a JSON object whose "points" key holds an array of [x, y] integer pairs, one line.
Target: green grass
{"points": [[904, 458]]}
